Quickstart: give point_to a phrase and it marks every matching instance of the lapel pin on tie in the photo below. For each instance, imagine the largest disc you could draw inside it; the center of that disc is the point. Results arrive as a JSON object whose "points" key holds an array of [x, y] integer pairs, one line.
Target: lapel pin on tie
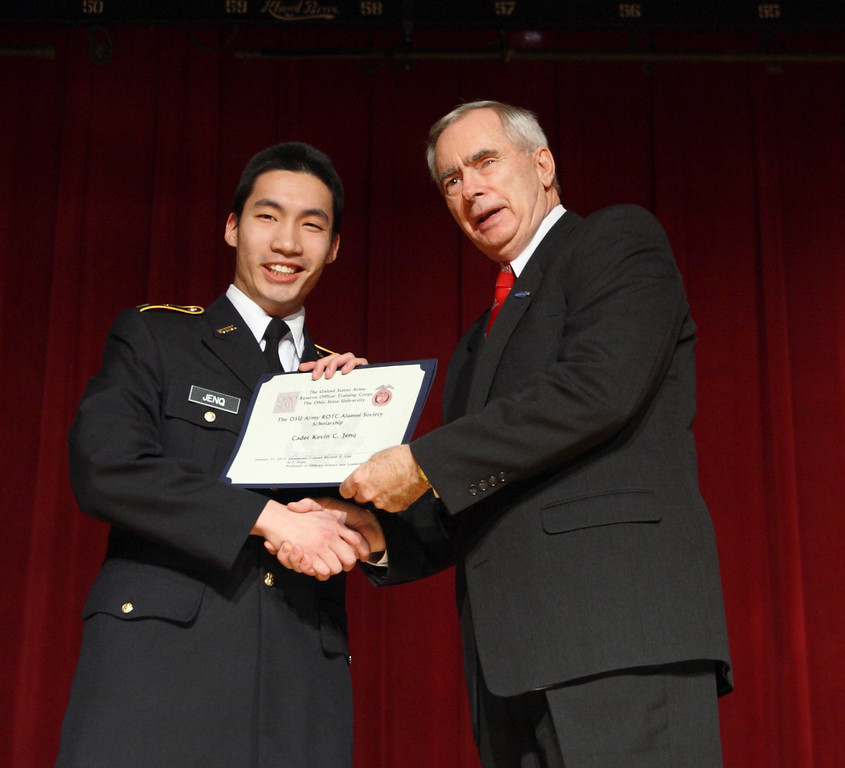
{"points": [[522, 294]]}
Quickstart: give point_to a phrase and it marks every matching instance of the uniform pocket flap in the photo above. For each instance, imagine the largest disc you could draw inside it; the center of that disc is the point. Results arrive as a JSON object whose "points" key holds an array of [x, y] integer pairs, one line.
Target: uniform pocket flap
{"points": [[205, 407], [609, 508], [132, 591]]}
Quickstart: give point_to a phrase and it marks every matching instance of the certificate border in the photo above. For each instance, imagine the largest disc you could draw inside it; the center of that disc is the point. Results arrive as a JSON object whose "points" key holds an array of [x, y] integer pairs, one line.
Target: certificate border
{"points": [[429, 368]]}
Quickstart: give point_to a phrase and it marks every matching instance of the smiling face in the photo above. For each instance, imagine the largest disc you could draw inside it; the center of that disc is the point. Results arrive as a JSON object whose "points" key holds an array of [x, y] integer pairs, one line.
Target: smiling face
{"points": [[496, 193], [283, 240]]}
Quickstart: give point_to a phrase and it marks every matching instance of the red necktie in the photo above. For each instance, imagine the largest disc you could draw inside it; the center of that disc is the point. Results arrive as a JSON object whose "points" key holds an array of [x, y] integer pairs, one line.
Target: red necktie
{"points": [[504, 283]]}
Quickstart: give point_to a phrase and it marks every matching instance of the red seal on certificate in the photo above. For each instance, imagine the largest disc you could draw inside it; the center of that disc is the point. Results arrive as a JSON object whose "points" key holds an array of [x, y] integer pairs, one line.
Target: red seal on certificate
{"points": [[383, 395]]}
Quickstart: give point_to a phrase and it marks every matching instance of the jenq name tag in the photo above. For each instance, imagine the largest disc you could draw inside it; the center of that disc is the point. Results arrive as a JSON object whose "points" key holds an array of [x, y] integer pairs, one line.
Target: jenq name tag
{"points": [[213, 399]]}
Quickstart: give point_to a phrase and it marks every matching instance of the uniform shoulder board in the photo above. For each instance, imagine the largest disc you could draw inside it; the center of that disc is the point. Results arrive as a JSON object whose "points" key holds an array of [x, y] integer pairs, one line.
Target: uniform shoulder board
{"points": [[322, 351], [186, 309]]}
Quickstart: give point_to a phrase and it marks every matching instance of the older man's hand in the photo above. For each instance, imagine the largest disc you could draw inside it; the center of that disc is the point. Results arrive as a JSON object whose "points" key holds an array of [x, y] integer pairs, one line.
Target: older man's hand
{"points": [[390, 479]]}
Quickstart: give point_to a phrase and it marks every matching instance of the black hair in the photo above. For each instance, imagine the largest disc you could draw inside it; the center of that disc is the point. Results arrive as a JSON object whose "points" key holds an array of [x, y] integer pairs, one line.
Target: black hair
{"points": [[297, 157]]}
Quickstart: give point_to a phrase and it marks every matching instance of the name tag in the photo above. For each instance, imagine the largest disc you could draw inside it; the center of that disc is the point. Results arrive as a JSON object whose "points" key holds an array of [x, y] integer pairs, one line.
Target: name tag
{"points": [[218, 400]]}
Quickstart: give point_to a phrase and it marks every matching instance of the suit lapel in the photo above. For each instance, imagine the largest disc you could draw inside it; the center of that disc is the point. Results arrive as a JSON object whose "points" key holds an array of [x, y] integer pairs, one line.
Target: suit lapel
{"points": [[231, 340], [459, 375], [309, 351], [490, 350]]}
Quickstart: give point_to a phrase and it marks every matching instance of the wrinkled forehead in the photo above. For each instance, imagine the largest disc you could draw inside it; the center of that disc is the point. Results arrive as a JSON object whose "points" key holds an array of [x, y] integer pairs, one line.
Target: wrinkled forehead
{"points": [[470, 136]]}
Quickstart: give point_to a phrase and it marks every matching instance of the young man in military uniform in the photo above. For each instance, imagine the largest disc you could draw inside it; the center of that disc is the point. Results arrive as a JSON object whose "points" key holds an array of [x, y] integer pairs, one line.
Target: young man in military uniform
{"points": [[199, 648]]}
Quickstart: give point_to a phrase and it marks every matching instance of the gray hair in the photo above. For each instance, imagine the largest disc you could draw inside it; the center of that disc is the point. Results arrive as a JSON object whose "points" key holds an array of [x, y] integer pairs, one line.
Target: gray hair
{"points": [[520, 127]]}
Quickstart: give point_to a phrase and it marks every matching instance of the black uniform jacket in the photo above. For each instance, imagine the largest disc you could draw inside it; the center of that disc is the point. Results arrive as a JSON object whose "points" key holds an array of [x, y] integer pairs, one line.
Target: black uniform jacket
{"points": [[566, 470], [199, 648]]}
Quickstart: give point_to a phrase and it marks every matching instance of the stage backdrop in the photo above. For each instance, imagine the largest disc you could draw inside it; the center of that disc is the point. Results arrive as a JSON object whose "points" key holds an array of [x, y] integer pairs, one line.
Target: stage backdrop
{"points": [[115, 183]]}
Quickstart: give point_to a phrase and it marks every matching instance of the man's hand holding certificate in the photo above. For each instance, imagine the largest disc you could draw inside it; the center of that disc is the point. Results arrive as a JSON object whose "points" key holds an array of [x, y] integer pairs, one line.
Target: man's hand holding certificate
{"points": [[300, 432]]}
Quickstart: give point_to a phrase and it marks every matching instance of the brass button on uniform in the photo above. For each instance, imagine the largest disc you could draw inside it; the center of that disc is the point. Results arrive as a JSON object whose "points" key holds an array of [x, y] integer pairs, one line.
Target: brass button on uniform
{"points": [[127, 608], [210, 416], [269, 578]]}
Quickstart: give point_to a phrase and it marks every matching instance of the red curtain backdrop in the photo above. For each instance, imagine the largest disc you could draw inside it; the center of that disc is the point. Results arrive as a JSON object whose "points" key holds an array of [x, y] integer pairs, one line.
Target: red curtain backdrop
{"points": [[115, 183]]}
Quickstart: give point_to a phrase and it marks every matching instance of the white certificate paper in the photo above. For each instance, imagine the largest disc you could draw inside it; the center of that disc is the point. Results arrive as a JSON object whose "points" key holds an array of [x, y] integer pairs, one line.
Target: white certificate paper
{"points": [[300, 432]]}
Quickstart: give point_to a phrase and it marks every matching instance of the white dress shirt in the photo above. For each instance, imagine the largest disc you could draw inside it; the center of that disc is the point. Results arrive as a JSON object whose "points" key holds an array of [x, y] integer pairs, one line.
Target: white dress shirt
{"points": [[518, 264], [291, 346]]}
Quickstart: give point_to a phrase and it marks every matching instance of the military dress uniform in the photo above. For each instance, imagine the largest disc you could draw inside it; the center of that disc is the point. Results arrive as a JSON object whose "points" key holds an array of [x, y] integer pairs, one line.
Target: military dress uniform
{"points": [[199, 648]]}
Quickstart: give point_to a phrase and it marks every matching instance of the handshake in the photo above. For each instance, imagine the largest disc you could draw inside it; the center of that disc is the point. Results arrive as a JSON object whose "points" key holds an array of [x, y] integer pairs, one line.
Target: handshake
{"points": [[322, 537], [319, 537]]}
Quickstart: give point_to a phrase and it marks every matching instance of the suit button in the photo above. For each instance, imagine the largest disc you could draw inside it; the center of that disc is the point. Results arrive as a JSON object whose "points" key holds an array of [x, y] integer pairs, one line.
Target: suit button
{"points": [[482, 485], [210, 416], [127, 608], [269, 578], [492, 481], [473, 491], [502, 477]]}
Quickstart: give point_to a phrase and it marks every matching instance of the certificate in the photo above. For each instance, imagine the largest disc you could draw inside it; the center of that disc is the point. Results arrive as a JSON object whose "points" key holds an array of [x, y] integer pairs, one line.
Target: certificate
{"points": [[300, 433]]}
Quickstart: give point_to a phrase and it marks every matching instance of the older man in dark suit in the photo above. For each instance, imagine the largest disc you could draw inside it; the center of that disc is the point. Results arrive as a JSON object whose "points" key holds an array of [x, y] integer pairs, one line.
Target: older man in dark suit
{"points": [[199, 649], [563, 483]]}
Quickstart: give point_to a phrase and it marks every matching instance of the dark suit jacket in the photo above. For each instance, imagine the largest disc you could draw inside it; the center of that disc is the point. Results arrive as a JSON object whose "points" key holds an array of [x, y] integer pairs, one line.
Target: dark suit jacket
{"points": [[198, 648], [567, 472]]}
